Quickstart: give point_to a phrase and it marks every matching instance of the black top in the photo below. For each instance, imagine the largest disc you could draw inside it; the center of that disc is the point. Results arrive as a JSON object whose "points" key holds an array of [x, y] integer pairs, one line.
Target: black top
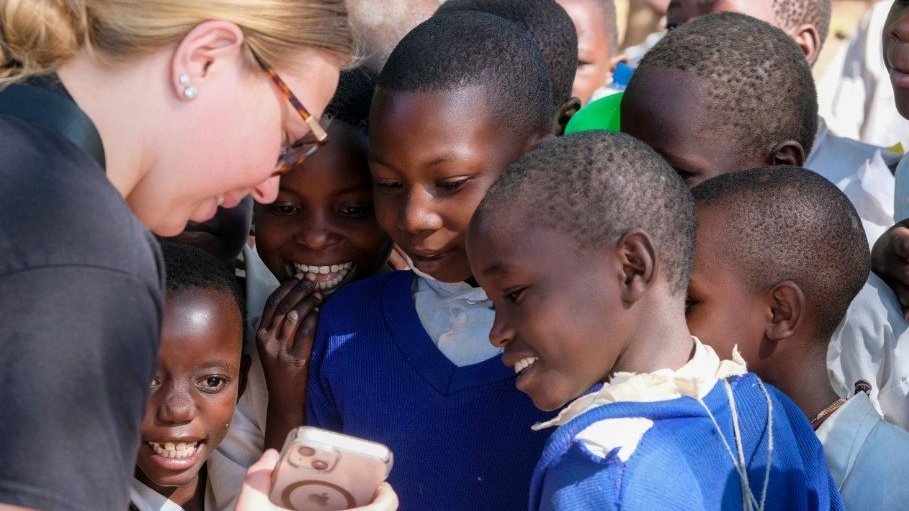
{"points": [[80, 313]]}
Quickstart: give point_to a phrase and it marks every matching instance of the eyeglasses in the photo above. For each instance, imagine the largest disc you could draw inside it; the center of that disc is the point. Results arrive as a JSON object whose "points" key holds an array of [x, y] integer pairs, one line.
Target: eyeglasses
{"points": [[298, 150]]}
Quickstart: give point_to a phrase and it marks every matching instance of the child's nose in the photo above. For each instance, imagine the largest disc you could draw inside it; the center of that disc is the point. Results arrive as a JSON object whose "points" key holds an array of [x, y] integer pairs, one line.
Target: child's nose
{"points": [[418, 214], [177, 408], [500, 334], [315, 234]]}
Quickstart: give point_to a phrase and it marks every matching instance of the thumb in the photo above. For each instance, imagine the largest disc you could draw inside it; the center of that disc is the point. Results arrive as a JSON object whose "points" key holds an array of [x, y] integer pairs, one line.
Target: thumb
{"points": [[257, 485]]}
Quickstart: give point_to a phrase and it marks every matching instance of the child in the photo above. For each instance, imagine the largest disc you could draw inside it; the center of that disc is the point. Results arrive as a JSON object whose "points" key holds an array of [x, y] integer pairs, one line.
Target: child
{"points": [[672, 426], [403, 358], [598, 44], [320, 234], [730, 116], [195, 386], [861, 171], [755, 283], [553, 31]]}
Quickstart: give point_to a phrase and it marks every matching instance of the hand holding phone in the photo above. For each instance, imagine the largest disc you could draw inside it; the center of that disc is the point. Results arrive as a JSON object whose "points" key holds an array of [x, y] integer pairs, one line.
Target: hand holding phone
{"points": [[322, 470]]}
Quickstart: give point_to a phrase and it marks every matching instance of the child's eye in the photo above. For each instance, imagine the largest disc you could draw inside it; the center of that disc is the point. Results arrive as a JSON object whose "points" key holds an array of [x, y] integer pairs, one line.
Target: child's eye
{"points": [[515, 295], [155, 383], [212, 383], [356, 211], [387, 185], [689, 304], [451, 186], [282, 209]]}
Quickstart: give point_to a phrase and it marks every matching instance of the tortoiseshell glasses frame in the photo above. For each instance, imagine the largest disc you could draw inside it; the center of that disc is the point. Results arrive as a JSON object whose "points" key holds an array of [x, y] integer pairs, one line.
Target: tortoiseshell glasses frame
{"points": [[297, 151]]}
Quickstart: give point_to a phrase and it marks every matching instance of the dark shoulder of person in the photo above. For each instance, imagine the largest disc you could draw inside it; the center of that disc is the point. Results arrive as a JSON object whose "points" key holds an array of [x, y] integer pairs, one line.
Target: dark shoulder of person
{"points": [[80, 304]]}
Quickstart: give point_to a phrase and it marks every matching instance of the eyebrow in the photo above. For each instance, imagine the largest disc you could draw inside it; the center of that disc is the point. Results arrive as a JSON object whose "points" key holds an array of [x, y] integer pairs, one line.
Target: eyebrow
{"points": [[211, 364]]}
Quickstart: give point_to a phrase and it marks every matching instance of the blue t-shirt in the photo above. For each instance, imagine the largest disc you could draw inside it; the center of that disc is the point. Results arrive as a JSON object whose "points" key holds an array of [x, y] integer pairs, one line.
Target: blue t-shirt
{"points": [[460, 435], [680, 463]]}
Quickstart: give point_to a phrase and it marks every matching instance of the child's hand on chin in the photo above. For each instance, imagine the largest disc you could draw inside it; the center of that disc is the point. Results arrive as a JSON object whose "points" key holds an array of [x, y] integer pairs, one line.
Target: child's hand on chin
{"points": [[890, 260], [284, 342], [256, 487]]}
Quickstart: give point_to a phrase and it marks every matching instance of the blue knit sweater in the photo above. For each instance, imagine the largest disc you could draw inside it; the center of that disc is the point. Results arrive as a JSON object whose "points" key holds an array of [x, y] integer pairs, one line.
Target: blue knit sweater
{"points": [[461, 437], [680, 462]]}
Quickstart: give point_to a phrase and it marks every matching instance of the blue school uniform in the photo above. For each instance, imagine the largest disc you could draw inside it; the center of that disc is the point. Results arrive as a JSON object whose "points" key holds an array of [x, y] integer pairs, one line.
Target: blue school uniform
{"points": [[460, 436], [672, 456]]}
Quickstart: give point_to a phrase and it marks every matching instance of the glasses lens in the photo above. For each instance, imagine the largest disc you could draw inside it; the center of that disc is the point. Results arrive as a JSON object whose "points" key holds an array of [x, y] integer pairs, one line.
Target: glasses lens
{"points": [[295, 154]]}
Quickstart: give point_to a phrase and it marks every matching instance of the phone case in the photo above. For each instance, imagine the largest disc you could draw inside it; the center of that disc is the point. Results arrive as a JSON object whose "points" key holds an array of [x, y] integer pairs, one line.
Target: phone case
{"points": [[322, 470]]}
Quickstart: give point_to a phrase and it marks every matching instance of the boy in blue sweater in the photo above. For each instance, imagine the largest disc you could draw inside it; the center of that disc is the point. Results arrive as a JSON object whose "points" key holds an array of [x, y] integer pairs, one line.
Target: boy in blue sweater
{"points": [[403, 358], [585, 247]]}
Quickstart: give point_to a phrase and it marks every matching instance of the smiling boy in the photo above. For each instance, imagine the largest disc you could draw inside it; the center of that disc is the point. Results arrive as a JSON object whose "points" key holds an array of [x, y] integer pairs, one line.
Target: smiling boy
{"points": [[585, 248]]}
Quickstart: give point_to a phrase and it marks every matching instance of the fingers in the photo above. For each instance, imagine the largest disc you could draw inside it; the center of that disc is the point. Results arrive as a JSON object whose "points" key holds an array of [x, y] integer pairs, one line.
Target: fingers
{"points": [[386, 500], [257, 485], [297, 293], [300, 312], [274, 301], [302, 347]]}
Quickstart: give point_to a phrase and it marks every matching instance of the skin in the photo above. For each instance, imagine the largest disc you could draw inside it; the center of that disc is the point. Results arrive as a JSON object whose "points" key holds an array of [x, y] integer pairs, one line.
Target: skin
{"points": [[805, 35], [324, 212], [224, 235], [622, 285], [595, 63], [896, 53], [890, 256], [323, 216], [772, 327], [667, 109], [171, 166], [194, 390], [432, 156]]}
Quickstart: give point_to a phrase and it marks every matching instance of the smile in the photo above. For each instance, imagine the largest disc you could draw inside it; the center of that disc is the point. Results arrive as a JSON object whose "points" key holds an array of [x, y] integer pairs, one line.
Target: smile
{"points": [[325, 277], [175, 450], [524, 363]]}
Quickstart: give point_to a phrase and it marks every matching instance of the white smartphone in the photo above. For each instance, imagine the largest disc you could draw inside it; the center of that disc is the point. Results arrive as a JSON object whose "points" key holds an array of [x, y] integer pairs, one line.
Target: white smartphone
{"points": [[321, 470]]}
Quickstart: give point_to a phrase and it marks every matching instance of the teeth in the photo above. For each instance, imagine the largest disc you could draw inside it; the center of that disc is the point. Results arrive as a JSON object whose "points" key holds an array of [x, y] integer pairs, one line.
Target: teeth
{"points": [[173, 450], [313, 273], [524, 364]]}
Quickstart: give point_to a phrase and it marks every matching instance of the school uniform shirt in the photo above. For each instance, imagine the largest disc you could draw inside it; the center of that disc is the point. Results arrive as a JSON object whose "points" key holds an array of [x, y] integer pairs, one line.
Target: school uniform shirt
{"points": [[872, 344], [867, 456], [81, 303], [451, 337], [143, 498], [855, 94], [667, 440], [862, 172]]}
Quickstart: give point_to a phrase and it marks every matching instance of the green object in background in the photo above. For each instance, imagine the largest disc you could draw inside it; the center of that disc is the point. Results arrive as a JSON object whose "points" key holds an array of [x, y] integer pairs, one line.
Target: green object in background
{"points": [[604, 114]]}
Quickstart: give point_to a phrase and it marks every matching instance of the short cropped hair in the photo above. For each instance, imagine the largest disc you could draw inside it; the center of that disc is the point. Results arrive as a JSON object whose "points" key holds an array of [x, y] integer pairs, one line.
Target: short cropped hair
{"points": [[792, 13], [789, 223], [352, 100], [759, 84], [550, 27], [189, 268], [472, 49], [596, 186]]}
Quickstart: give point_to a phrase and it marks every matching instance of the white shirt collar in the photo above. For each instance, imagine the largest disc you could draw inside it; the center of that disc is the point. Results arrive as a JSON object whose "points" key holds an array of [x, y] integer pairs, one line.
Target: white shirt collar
{"points": [[695, 379]]}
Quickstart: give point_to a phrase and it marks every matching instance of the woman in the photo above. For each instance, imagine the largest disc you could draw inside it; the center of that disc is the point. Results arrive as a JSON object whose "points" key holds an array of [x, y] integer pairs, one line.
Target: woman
{"points": [[194, 101]]}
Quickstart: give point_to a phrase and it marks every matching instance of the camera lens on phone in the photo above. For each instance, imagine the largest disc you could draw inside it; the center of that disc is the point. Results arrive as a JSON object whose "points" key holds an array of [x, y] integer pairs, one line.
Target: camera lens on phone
{"points": [[306, 451], [319, 464]]}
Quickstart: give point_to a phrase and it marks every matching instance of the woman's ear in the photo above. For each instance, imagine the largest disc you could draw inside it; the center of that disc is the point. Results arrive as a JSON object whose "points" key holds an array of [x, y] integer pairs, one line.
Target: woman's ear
{"points": [[788, 152], [787, 307], [208, 48], [638, 259], [809, 40]]}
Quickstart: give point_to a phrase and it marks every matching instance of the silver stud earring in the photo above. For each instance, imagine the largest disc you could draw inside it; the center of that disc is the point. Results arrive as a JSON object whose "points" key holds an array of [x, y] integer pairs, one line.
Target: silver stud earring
{"points": [[189, 92]]}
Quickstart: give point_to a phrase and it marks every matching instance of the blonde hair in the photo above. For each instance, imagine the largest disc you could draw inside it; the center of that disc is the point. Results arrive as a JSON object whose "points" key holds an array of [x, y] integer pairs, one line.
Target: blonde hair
{"points": [[37, 36]]}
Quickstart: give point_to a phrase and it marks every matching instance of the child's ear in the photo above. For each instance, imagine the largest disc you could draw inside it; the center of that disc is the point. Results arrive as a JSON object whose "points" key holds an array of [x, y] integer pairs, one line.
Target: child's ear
{"points": [[638, 258], [787, 305], [564, 114], [788, 152], [245, 362], [809, 40]]}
